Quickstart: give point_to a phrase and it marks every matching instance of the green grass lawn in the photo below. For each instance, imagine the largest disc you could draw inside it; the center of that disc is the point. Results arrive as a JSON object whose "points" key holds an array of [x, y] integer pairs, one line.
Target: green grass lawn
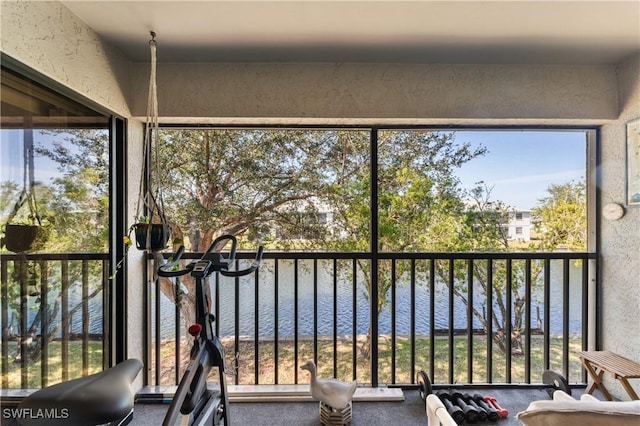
{"points": [[34, 371], [286, 373]]}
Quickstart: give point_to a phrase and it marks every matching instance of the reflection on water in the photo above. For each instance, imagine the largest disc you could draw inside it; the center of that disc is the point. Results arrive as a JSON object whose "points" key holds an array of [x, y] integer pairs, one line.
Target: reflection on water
{"points": [[287, 316]]}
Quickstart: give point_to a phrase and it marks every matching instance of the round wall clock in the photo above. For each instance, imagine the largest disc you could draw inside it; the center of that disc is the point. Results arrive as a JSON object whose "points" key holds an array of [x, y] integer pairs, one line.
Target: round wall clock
{"points": [[613, 211]]}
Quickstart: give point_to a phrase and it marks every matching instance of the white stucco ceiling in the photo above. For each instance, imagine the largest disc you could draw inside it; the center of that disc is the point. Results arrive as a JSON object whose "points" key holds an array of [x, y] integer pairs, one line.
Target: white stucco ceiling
{"points": [[420, 31]]}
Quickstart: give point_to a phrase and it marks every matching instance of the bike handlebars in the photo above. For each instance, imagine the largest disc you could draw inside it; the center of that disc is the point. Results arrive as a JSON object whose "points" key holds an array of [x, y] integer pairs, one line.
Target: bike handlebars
{"points": [[254, 265], [211, 261]]}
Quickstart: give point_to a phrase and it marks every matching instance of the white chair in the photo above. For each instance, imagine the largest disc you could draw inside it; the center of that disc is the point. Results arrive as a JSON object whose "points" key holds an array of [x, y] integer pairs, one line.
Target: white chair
{"points": [[437, 413], [563, 410]]}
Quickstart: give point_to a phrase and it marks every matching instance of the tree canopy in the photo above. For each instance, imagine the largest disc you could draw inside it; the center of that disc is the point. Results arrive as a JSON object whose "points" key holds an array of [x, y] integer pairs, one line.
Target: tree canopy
{"points": [[561, 217]]}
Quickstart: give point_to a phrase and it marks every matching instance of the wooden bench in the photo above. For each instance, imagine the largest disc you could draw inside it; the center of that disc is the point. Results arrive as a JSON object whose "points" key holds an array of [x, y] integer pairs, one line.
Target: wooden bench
{"points": [[622, 369]]}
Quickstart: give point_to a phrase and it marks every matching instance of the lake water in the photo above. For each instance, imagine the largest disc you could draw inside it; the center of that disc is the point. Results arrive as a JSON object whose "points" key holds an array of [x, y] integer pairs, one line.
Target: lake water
{"points": [[345, 306]]}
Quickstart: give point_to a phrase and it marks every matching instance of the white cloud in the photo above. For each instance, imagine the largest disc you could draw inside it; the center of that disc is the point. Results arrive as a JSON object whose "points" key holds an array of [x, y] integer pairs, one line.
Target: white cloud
{"points": [[556, 176]]}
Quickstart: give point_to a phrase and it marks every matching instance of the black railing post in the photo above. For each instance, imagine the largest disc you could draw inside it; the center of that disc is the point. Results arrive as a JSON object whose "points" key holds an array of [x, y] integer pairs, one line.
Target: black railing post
{"points": [[44, 323], [315, 310], [65, 320], [296, 326], [565, 317], [374, 257], [432, 318], [276, 334], [527, 321], [470, 321], [451, 327], [489, 320], [412, 319], [24, 298], [256, 329], [236, 346], [335, 316], [354, 317], [85, 317], [177, 373], [393, 321], [4, 315], [547, 313], [158, 329], [507, 323]]}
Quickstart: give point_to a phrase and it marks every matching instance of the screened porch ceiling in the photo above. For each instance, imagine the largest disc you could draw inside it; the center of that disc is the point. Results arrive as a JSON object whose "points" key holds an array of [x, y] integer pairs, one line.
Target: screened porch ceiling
{"points": [[417, 31]]}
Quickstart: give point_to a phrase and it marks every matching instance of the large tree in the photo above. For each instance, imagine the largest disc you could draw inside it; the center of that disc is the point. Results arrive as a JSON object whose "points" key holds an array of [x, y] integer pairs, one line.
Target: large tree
{"points": [[252, 182], [420, 203]]}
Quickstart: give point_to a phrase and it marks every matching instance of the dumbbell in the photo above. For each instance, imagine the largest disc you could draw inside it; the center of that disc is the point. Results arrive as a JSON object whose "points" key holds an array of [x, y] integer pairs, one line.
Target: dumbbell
{"points": [[454, 410], [471, 414], [483, 416], [492, 414], [503, 413]]}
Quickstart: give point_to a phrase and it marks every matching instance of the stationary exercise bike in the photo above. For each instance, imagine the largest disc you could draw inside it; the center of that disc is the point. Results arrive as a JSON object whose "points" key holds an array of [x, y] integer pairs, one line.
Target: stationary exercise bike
{"points": [[193, 401]]}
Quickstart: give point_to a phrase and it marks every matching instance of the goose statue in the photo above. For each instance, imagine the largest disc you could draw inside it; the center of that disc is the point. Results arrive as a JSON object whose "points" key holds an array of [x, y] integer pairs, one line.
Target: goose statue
{"points": [[332, 392]]}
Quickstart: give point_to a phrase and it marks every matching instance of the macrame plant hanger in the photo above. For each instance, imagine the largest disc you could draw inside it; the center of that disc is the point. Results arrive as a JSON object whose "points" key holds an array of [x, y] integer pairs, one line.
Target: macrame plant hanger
{"points": [[150, 200], [28, 193], [28, 234]]}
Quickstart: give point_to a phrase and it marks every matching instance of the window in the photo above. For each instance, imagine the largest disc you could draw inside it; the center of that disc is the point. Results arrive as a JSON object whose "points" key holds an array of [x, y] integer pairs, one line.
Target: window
{"points": [[313, 185], [373, 194], [54, 213]]}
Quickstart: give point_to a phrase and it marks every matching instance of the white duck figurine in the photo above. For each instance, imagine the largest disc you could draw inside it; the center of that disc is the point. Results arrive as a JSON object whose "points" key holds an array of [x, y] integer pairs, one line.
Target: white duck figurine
{"points": [[332, 392]]}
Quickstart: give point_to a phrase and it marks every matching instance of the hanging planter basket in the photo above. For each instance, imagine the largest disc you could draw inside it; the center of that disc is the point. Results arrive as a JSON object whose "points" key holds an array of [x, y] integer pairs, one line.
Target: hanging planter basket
{"points": [[154, 232], [20, 238], [152, 236], [27, 233]]}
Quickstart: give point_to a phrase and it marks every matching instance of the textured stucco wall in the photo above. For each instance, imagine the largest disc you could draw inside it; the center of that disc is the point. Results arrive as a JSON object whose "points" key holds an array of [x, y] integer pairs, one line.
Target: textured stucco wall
{"points": [[620, 240], [437, 93], [46, 37]]}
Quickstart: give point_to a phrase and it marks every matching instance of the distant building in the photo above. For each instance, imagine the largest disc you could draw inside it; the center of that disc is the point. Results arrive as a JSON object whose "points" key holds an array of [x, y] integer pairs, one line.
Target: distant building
{"points": [[518, 228]]}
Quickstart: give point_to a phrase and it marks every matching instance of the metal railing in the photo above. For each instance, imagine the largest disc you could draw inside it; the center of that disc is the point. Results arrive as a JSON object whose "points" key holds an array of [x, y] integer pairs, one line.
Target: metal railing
{"points": [[53, 317], [434, 316]]}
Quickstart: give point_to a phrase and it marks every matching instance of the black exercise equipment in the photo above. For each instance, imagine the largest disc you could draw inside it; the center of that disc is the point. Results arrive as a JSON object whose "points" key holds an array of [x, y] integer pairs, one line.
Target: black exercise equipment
{"points": [[424, 385], [98, 399], [554, 382], [551, 380], [483, 416], [492, 414], [471, 415], [454, 411], [194, 403]]}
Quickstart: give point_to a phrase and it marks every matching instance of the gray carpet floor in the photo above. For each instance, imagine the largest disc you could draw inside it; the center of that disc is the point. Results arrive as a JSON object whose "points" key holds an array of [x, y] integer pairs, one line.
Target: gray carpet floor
{"points": [[406, 413]]}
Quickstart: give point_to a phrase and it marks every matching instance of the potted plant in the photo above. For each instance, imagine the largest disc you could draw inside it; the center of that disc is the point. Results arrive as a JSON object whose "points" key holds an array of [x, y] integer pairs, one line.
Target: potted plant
{"points": [[25, 237], [151, 236]]}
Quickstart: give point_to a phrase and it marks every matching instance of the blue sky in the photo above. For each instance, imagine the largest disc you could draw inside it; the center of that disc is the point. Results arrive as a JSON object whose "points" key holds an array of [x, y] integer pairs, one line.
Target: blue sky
{"points": [[520, 165]]}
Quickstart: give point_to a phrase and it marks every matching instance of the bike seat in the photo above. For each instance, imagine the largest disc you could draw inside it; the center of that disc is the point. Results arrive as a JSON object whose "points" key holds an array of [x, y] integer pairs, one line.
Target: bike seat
{"points": [[92, 400]]}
